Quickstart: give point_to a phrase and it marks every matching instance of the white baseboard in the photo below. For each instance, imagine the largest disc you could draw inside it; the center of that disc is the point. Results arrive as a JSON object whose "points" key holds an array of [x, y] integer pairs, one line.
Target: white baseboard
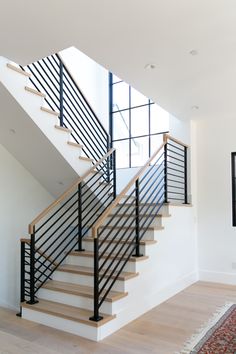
{"points": [[218, 277], [9, 306]]}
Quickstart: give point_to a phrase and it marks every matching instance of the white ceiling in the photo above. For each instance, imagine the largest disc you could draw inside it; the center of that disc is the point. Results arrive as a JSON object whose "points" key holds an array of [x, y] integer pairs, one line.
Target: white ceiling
{"points": [[125, 35]]}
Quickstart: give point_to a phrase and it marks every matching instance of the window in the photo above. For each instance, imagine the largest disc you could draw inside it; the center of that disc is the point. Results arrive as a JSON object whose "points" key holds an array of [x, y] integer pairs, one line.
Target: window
{"points": [[136, 124], [233, 172]]}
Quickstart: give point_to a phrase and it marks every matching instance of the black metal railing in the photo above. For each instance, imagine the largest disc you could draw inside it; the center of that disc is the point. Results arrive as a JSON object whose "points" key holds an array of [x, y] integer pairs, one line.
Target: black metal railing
{"points": [[176, 171], [119, 231], [63, 95], [61, 227]]}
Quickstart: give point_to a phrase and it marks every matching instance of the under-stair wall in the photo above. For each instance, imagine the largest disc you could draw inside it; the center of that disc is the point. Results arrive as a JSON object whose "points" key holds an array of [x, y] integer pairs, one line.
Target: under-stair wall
{"points": [[22, 197]]}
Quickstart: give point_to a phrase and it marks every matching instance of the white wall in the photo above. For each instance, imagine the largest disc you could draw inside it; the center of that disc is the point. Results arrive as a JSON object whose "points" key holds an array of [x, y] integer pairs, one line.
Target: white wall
{"points": [[180, 129], [216, 236], [22, 198], [92, 79]]}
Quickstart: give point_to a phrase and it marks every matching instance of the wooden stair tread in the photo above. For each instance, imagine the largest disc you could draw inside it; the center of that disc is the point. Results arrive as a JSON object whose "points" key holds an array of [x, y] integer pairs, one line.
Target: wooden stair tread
{"points": [[26, 240], [18, 69], [67, 312], [71, 143], [90, 254], [89, 271], [35, 92], [85, 158], [150, 228], [50, 111], [81, 290], [142, 242], [142, 214], [64, 129]]}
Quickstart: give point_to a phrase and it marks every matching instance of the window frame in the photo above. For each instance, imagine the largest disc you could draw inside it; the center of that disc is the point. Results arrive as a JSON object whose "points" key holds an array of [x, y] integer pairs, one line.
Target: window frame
{"points": [[233, 179], [130, 109]]}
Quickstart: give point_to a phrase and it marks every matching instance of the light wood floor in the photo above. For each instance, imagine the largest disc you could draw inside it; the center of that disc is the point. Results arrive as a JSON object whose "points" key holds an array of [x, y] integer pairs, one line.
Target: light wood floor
{"points": [[161, 331]]}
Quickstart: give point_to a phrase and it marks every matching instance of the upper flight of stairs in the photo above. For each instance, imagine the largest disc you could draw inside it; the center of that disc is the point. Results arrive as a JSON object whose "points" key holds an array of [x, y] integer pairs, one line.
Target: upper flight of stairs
{"points": [[25, 113]]}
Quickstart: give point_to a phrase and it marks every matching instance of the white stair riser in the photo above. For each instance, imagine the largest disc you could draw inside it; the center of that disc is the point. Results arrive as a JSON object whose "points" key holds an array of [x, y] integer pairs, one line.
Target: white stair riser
{"points": [[79, 301], [145, 208], [86, 280], [148, 235], [62, 324], [88, 246], [127, 220], [88, 262]]}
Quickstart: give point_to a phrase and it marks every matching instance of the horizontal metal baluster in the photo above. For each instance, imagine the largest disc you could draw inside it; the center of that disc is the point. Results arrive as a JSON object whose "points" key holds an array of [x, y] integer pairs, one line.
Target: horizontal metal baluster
{"points": [[122, 257], [179, 182], [146, 182], [176, 147], [100, 126], [161, 174], [55, 222], [175, 164], [99, 204], [171, 174], [109, 233], [57, 238], [174, 152], [115, 246], [124, 204], [115, 237], [174, 169], [51, 216]]}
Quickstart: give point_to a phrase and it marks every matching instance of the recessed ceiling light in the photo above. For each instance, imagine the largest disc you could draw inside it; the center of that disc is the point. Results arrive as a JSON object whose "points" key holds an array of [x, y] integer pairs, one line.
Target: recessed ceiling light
{"points": [[12, 131], [150, 66], [195, 108], [193, 52]]}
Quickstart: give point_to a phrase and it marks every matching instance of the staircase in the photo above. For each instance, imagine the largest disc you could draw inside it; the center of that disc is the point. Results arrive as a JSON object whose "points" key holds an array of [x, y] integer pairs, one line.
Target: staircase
{"points": [[87, 267]]}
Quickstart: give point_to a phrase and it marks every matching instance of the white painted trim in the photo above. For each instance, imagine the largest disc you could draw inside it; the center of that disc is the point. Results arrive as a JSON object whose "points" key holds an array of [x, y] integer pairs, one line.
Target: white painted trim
{"points": [[218, 277]]}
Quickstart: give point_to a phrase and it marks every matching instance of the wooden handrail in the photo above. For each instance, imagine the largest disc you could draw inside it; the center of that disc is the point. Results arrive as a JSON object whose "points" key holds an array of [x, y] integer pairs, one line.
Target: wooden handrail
{"points": [[101, 219], [169, 137], [65, 194]]}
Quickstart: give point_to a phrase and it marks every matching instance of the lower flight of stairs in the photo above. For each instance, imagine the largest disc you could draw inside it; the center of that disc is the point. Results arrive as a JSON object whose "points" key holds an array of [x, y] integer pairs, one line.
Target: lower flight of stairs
{"points": [[66, 301]]}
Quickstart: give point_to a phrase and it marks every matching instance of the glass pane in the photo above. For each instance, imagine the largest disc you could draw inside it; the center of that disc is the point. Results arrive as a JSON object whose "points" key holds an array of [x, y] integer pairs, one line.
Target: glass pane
{"points": [[120, 125], [156, 141], [137, 98], [120, 96], [122, 153], [139, 151], [139, 121], [159, 119]]}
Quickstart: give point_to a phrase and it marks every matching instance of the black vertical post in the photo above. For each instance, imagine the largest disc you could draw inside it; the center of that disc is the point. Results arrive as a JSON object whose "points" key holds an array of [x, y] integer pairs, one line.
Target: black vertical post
{"points": [[137, 218], [61, 93], [110, 108], [185, 175], [114, 173], [96, 316], [108, 162], [22, 267], [165, 173], [32, 269], [80, 226]]}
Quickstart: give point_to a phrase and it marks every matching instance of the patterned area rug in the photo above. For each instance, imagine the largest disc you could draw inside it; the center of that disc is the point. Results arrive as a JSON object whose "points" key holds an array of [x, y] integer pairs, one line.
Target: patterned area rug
{"points": [[218, 336]]}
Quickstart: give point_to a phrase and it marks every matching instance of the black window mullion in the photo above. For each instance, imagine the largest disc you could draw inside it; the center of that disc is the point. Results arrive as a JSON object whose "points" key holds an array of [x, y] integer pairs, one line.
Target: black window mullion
{"points": [[129, 126]]}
